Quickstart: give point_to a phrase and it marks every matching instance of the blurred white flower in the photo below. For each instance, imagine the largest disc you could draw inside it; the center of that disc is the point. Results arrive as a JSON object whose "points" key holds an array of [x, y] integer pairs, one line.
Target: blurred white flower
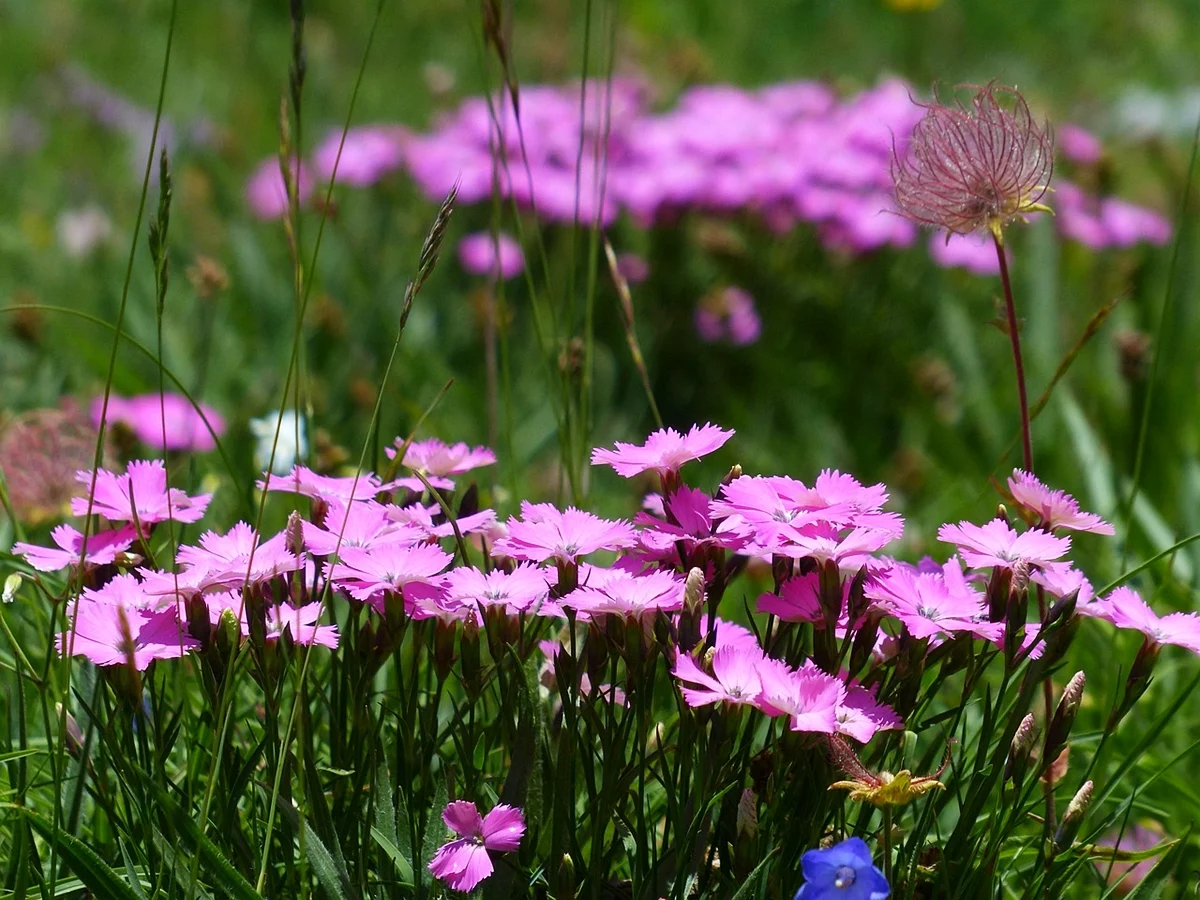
{"points": [[80, 231], [292, 445]]}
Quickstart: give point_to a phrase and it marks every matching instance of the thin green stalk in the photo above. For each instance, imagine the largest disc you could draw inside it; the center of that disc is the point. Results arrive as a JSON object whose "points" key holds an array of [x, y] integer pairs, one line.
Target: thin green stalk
{"points": [[1014, 334]]}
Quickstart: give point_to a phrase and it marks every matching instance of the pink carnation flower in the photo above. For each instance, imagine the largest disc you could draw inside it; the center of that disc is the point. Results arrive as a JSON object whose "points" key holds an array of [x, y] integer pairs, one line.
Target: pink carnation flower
{"points": [[809, 697], [625, 594], [465, 862], [521, 590], [544, 533], [1125, 608], [151, 416], [327, 488], [266, 193], [1052, 509], [930, 604], [367, 154], [734, 677], [237, 557], [362, 523], [118, 625], [436, 461], [102, 548], [997, 544], [860, 715], [140, 495], [665, 451]]}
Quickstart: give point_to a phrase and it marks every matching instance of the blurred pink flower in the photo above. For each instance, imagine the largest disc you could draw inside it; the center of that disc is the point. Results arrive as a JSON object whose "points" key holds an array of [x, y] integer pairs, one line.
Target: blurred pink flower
{"points": [[729, 315], [1078, 144], [437, 460], [465, 862], [186, 427], [369, 153], [974, 252], [1127, 875], [633, 268], [265, 191], [497, 256]]}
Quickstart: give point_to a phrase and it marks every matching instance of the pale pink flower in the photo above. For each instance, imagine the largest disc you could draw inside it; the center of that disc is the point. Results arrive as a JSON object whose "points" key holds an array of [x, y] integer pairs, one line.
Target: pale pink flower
{"points": [[235, 558], [465, 862], [361, 523], [367, 154], [266, 192], [140, 495], [734, 677], [419, 520], [997, 544], [860, 715], [1125, 608], [624, 594], [1052, 509], [301, 623], [544, 533], [102, 548], [665, 451]]}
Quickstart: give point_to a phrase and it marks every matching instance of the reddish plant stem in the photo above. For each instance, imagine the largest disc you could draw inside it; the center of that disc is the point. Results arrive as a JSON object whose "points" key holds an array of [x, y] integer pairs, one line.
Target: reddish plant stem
{"points": [[1014, 335]]}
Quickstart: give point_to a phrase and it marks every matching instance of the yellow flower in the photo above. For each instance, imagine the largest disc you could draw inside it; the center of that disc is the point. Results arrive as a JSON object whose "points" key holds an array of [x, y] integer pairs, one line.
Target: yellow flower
{"points": [[884, 789]]}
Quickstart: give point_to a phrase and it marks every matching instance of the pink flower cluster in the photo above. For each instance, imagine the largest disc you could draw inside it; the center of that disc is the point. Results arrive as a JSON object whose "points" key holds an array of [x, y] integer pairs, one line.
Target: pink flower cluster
{"points": [[385, 546], [163, 422], [789, 153]]}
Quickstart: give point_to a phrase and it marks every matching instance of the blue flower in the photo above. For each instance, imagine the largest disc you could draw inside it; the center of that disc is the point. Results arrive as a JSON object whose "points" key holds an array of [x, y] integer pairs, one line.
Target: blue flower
{"points": [[843, 872]]}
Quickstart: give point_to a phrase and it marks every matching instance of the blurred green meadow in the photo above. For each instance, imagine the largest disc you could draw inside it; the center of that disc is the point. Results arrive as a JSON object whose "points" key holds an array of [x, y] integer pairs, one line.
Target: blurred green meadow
{"points": [[881, 364]]}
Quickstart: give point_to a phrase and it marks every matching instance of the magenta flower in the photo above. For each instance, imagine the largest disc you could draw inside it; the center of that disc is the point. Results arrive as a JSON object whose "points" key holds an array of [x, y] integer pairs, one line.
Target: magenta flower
{"points": [[187, 427], [976, 166], [544, 533], [691, 523], [102, 548], [419, 521], [1125, 608], [301, 623], [930, 604], [1079, 145], [799, 600], [118, 625], [465, 862], [665, 451], [361, 523], [973, 252], [734, 677], [997, 544], [497, 256], [1052, 509], [809, 697], [140, 495]]}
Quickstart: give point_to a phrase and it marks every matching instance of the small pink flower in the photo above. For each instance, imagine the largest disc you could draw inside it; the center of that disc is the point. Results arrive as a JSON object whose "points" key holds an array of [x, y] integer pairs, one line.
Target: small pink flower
{"points": [[997, 544], [436, 461], [368, 575], [327, 488], [237, 557], [368, 153], [521, 590], [974, 252], [139, 495], [931, 604], [301, 623], [624, 594], [1079, 145], [544, 533], [1052, 509], [665, 451], [808, 697], [497, 256], [465, 862], [112, 634], [730, 315], [860, 715], [102, 548], [149, 416]]}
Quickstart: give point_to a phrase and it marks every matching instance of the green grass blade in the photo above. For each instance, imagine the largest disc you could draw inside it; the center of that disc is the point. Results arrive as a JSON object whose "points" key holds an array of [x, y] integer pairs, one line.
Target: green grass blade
{"points": [[99, 878], [403, 866], [211, 859]]}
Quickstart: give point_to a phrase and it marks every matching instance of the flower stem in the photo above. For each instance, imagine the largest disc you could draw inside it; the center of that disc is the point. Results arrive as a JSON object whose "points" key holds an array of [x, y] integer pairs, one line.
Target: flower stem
{"points": [[887, 842], [1014, 335]]}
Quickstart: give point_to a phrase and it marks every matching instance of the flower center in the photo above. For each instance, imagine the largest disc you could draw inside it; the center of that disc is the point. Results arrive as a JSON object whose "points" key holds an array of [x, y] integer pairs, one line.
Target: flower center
{"points": [[843, 878]]}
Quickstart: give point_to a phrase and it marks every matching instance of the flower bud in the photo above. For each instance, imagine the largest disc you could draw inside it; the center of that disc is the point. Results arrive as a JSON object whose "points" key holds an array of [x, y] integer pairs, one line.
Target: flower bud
{"points": [[73, 734], [1064, 717], [468, 652], [734, 474], [747, 814], [443, 648], [693, 611], [864, 644], [999, 587], [295, 534], [566, 878], [1138, 680], [830, 582], [11, 585], [227, 635], [857, 602], [1073, 817], [1019, 751]]}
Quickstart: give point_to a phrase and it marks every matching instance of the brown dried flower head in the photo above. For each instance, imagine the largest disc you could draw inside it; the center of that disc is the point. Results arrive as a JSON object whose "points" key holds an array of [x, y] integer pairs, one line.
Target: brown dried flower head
{"points": [[974, 165]]}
